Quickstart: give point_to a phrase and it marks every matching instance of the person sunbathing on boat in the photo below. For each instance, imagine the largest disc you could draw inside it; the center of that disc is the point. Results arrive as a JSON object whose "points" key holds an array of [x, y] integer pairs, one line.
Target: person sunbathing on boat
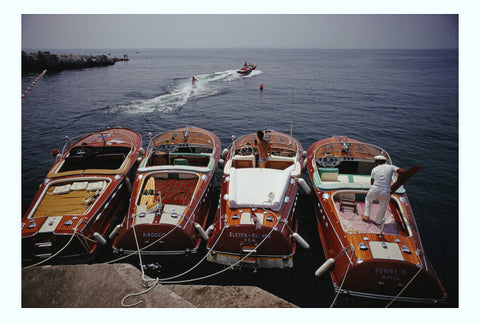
{"points": [[381, 178], [264, 149]]}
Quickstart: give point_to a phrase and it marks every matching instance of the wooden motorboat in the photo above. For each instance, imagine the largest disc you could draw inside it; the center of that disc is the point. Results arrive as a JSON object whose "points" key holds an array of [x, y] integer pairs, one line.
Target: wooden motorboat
{"points": [[83, 195], [170, 197], [255, 223], [247, 69], [383, 261]]}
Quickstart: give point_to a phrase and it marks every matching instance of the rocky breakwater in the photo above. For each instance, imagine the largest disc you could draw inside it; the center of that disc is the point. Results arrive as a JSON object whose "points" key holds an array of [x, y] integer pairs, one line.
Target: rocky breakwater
{"points": [[37, 62]]}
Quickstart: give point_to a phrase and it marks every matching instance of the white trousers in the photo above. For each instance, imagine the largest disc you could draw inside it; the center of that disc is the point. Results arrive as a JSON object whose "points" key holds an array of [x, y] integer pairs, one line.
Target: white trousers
{"points": [[383, 198]]}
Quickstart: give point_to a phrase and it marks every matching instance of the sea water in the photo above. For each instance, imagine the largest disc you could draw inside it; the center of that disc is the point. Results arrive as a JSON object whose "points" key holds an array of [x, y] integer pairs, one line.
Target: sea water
{"points": [[405, 101]]}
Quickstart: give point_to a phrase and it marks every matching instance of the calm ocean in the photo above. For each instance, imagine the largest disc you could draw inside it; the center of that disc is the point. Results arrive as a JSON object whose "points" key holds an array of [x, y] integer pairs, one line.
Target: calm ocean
{"points": [[405, 101]]}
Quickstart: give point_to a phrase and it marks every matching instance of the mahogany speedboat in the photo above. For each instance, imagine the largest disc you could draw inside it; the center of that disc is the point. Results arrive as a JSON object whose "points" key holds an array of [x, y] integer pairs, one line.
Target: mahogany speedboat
{"points": [[247, 69], [83, 194], [255, 223], [383, 261], [170, 197]]}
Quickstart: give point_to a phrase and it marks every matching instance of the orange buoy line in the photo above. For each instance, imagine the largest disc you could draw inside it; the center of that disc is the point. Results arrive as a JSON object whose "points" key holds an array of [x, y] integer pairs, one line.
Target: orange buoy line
{"points": [[33, 83]]}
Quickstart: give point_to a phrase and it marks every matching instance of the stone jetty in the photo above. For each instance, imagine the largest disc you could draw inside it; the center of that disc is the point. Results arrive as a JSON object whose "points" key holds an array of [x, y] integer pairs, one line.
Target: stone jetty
{"points": [[39, 61], [106, 285]]}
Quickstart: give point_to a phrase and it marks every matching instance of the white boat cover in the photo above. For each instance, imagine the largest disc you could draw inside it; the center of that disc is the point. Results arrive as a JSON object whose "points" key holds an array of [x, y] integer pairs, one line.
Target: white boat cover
{"points": [[258, 187]]}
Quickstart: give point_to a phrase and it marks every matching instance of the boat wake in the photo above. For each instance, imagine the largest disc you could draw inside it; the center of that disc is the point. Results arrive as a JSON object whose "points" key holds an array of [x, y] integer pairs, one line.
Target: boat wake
{"points": [[183, 90]]}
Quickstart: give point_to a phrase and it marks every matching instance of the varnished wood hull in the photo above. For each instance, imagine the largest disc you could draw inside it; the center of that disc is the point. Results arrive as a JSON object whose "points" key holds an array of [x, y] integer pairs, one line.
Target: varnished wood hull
{"points": [[163, 238], [67, 223], [374, 261], [178, 181], [246, 233]]}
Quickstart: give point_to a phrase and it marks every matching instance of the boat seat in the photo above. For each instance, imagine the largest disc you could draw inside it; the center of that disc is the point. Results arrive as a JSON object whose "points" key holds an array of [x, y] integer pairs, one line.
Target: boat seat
{"points": [[328, 174], [243, 161], [180, 161], [279, 162], [96, 185], [60, 190], [80, 185]]}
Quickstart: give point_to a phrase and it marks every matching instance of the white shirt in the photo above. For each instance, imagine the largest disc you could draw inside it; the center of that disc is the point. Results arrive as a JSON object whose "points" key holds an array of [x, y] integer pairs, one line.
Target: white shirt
{"points": [[382, 176]]}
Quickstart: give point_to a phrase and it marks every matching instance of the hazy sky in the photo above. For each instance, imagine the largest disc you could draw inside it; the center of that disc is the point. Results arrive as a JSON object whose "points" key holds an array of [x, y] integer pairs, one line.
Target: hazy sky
{"points": [[44, 31]]}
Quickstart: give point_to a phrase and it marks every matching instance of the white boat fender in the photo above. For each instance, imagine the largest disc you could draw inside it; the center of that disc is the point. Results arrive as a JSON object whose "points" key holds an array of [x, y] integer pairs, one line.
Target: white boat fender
{"points": [[201, 231], [305, 161], [99, 238], [209, 230], [304, 186], [224, 153], [141, 151], [327, 266], [300, 240], [221, 163], [114, 232]]}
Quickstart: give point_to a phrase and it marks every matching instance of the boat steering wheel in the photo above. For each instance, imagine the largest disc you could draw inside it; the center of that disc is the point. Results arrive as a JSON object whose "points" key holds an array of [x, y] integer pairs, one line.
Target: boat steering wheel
{"points": [[328, 161], [246, 150], [83, 151]]}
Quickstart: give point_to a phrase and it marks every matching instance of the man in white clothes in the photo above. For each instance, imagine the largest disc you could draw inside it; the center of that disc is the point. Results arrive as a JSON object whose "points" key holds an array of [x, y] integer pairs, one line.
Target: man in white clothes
{"points": [[380, 190]]}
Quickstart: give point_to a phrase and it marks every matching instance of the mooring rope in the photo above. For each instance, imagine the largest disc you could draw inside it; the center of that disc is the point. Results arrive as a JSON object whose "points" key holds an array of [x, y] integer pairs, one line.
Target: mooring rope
{"points": [[149, 245], [346, 271], [197, 264], [405, 287], [145, 282], [165, 281], [135, 294], [228, 267], [61, 250]]}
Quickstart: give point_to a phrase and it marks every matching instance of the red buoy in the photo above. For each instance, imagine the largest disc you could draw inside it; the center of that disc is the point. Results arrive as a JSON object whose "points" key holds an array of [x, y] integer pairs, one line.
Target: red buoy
{"points": [[261, 87]]}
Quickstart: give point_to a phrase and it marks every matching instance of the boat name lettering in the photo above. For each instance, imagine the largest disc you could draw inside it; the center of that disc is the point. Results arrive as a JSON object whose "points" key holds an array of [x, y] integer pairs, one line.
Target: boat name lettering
{"points": [[246, 235], [390, 273], [153, 235]]}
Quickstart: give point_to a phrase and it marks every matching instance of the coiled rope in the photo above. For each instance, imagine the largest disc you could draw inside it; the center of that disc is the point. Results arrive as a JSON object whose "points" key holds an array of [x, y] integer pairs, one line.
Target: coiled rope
{"points": [[167, 280], [144, 282]]}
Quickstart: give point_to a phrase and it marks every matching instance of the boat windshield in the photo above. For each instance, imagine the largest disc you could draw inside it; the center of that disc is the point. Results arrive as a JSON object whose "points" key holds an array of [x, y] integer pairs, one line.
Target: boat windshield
{"points": [[281, 144], [182, 141], [92, 157], [349, 150], [181, 147]]}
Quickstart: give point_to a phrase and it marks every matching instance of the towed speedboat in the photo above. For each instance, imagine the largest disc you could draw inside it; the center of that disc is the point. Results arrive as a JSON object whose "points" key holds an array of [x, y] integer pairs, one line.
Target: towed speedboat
{"points": [[255, 223], [83, 194], [170, 197], [383, 261], [247, 69]]}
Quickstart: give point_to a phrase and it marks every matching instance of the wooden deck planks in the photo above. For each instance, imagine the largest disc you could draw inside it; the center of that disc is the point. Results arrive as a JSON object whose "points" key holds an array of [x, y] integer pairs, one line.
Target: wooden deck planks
{"points": [[72, 203]]}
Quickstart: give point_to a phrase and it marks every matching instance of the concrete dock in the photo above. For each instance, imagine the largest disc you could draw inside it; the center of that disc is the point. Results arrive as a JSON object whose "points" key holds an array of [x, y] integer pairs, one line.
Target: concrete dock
{"points": [[106, 285]]}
